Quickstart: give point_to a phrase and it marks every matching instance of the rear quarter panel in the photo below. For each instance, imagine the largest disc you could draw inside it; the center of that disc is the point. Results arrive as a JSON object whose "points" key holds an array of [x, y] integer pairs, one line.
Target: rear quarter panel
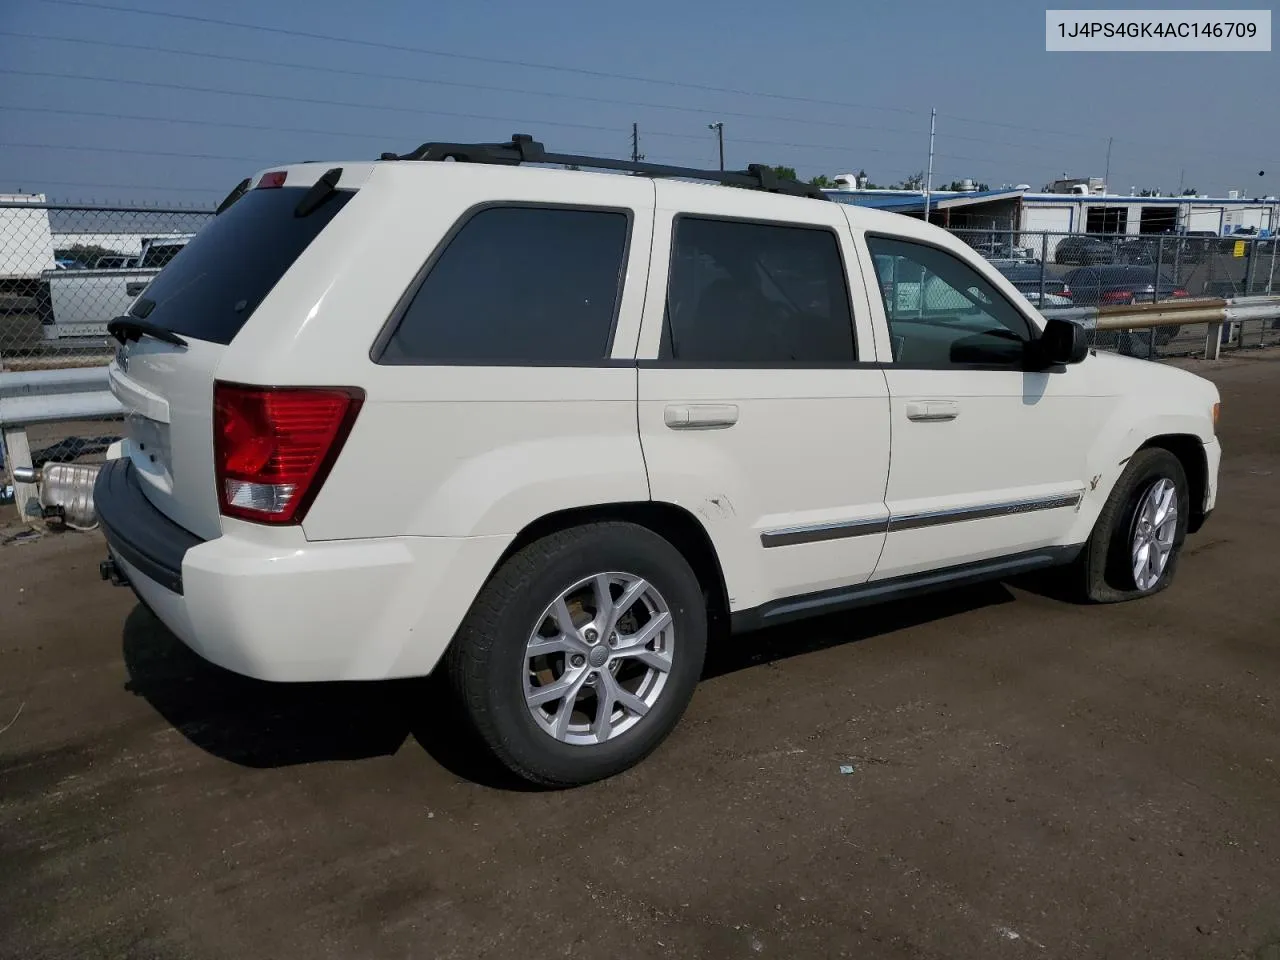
{"points": [[450, 450]]}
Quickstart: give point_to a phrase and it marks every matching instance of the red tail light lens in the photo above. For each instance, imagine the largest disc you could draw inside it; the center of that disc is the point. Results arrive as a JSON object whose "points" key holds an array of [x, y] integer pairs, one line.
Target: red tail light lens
{"points": [[1181, 293], [274, 446], [1065, 292], [273, 179]]}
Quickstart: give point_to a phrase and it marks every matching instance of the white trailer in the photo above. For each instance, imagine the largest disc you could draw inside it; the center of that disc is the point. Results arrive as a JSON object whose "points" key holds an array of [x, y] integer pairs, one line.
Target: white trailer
{"points": [[26, 242]]}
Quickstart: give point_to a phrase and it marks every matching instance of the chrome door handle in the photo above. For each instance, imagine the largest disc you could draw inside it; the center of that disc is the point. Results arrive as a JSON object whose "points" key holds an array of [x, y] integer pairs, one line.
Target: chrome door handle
{"points": [[932, 410], [700, 416]]}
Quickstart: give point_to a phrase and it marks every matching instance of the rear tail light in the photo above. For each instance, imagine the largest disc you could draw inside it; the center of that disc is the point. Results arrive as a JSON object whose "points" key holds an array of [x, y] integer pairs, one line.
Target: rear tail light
{"points": [[1065, 292], [274, 446], [1117, 296], [1179, 292], [273, 179]]}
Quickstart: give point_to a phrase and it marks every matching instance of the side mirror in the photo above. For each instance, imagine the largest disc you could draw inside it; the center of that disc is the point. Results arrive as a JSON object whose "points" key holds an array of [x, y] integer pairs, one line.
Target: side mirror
{"points": [[1062, 342]]}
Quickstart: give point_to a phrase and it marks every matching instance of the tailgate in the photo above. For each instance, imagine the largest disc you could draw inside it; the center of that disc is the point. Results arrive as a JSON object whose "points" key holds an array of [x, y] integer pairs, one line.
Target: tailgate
{"points": [[167, 395]]}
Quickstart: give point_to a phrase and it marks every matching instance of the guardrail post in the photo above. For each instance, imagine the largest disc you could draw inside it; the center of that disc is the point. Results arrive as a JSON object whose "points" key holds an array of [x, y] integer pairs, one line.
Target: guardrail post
{"points": [[17, 453], [1044, 259], [1213, 342]]}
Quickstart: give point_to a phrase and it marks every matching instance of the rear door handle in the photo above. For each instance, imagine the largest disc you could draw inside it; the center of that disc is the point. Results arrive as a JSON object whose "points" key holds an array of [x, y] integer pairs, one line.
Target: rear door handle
{"points": [[700, 416], [932, 410]]}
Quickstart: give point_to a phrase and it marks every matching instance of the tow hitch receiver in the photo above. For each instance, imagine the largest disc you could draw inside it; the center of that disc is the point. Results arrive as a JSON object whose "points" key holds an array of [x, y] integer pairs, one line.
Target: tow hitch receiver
{"points": [[109, 570]]}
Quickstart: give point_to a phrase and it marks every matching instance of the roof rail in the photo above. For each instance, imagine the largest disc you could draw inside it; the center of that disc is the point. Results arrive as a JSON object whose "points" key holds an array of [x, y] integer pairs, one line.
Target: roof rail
{"points": [[522, 148]]}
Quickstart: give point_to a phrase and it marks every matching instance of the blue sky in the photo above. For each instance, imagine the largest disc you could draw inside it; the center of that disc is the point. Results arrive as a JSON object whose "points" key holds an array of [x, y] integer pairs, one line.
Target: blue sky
{"points": [[1008, 111]]}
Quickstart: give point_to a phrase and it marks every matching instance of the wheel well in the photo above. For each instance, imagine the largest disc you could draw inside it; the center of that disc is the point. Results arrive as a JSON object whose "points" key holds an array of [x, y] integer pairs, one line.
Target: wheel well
{"points": [[676, 525], [1190, 452]]}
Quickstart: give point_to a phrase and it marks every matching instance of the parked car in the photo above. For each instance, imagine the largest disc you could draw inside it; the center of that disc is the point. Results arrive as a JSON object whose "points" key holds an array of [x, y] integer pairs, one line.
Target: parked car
{"points": [[114, 262], [1196, 245], [1026, 279], [1083, 249], [79, 303], [1148, 250], [1115, 285], [1111, 286], [552, 432], [998, 245]]}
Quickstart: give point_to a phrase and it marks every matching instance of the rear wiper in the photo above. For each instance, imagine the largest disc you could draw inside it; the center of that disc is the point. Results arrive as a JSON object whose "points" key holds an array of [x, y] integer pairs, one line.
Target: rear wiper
{"points": [[125, 329]]}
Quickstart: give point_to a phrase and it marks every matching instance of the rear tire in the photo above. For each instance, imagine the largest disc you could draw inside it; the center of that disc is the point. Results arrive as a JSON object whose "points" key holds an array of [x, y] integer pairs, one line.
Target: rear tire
{"points": [[1106, 569], [503, 680]]}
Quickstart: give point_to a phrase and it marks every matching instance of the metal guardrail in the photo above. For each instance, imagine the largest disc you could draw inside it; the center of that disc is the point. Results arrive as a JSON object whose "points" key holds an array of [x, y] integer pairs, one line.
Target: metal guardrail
{"points": [[46, 396], [1214, 311]]}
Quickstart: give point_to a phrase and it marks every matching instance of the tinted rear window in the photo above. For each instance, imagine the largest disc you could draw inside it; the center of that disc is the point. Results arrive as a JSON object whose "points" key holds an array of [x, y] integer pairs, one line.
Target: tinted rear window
{"points": [[212, 286], [519, 285]]}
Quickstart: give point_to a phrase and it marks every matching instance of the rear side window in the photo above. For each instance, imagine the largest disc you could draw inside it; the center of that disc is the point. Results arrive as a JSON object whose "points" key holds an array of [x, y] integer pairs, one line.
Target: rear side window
{"points": [[743, 292], [519, 285], [214, 283]]}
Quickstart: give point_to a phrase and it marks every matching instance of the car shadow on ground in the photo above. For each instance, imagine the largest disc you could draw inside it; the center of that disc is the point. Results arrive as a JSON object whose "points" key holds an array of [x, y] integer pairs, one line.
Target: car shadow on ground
{"points": [[266, 725], [758, 648]]}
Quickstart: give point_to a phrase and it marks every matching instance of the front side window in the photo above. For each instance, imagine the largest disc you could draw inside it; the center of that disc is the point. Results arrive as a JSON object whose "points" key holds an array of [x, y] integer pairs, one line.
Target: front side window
{"points": [[519, 285], [942, 312], [743, 292]]}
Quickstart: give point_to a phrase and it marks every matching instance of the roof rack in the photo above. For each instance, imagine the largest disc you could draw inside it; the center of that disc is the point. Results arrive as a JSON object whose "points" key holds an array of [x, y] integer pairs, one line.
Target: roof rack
{"points": [[522, 148]]}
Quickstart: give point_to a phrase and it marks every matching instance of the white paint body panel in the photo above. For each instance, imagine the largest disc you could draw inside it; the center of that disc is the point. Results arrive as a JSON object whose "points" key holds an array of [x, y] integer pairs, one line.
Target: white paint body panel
{"points": [[810, 446], [446, 465]]}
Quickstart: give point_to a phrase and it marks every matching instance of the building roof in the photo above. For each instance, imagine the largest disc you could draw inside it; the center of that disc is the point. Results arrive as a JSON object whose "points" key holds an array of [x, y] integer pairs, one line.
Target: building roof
{"points": [[1154, 201], [903, 201]]}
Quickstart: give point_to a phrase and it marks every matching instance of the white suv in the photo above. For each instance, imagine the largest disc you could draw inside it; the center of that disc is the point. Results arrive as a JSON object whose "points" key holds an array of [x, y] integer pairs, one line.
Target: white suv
{"points": [[553, 429]]}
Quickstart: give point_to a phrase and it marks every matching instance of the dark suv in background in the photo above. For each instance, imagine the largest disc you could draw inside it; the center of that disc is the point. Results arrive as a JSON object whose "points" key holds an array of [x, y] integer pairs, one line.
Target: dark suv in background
{"points": [[1083, 249]]}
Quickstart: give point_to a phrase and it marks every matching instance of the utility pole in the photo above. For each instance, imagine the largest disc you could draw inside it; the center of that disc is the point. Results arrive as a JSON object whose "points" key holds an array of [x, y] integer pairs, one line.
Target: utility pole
{"points": [[928, 183], [636, 155], [718, 127], [1106, 175]]}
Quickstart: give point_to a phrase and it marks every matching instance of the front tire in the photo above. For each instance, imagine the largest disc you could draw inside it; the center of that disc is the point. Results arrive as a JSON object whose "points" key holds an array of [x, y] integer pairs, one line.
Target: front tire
{"points": [[581, 653], [1134, 548]]}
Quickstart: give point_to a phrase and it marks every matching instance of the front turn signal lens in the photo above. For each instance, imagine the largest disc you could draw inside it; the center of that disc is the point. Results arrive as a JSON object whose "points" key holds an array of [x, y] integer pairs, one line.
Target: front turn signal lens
{"points": [[1215, 414]]}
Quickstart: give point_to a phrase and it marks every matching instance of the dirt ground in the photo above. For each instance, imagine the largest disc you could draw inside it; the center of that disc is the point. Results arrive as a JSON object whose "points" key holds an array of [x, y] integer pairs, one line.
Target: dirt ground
{"points": [[1031, 779]]}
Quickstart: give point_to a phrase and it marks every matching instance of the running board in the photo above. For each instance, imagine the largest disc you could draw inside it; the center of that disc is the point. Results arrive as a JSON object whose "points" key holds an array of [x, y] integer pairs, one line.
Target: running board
{"points": [[882, 591]]}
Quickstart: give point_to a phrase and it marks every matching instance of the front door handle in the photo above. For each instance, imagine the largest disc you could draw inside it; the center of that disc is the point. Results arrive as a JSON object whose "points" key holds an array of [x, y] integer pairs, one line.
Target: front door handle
{"points": [[700, 416], [932, 410]]}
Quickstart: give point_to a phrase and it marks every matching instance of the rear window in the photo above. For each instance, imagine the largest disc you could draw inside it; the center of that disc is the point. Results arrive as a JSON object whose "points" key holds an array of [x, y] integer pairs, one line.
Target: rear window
{"points": [[216, 281]]}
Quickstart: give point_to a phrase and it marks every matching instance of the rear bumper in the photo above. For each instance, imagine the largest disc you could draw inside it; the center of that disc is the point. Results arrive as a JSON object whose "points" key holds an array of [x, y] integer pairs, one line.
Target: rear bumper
{"points": [[137, 533], [267, 603]]}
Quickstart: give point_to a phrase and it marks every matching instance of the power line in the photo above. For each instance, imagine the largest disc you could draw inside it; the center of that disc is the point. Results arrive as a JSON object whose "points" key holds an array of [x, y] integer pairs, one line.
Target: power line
{"points": [[476, 58], [432, 81], [320, 101], [117, 186], [580, 71], [144, 153], [330, 132], [264, 127], [151, 49]]}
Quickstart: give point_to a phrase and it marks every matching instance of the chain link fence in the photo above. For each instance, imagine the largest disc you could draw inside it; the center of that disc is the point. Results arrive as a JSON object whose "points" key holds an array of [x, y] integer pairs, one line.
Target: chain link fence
{"points": [[1094, 269], [65, 271]]}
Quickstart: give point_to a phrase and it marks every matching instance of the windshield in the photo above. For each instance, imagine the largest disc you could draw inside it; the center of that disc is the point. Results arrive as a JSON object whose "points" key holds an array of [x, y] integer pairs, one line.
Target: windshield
{"points": [[215, 282]]}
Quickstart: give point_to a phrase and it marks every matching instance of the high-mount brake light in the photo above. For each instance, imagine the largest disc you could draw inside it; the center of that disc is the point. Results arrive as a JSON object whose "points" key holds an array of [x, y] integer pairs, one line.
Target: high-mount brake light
{"points": [[275, 178]]}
